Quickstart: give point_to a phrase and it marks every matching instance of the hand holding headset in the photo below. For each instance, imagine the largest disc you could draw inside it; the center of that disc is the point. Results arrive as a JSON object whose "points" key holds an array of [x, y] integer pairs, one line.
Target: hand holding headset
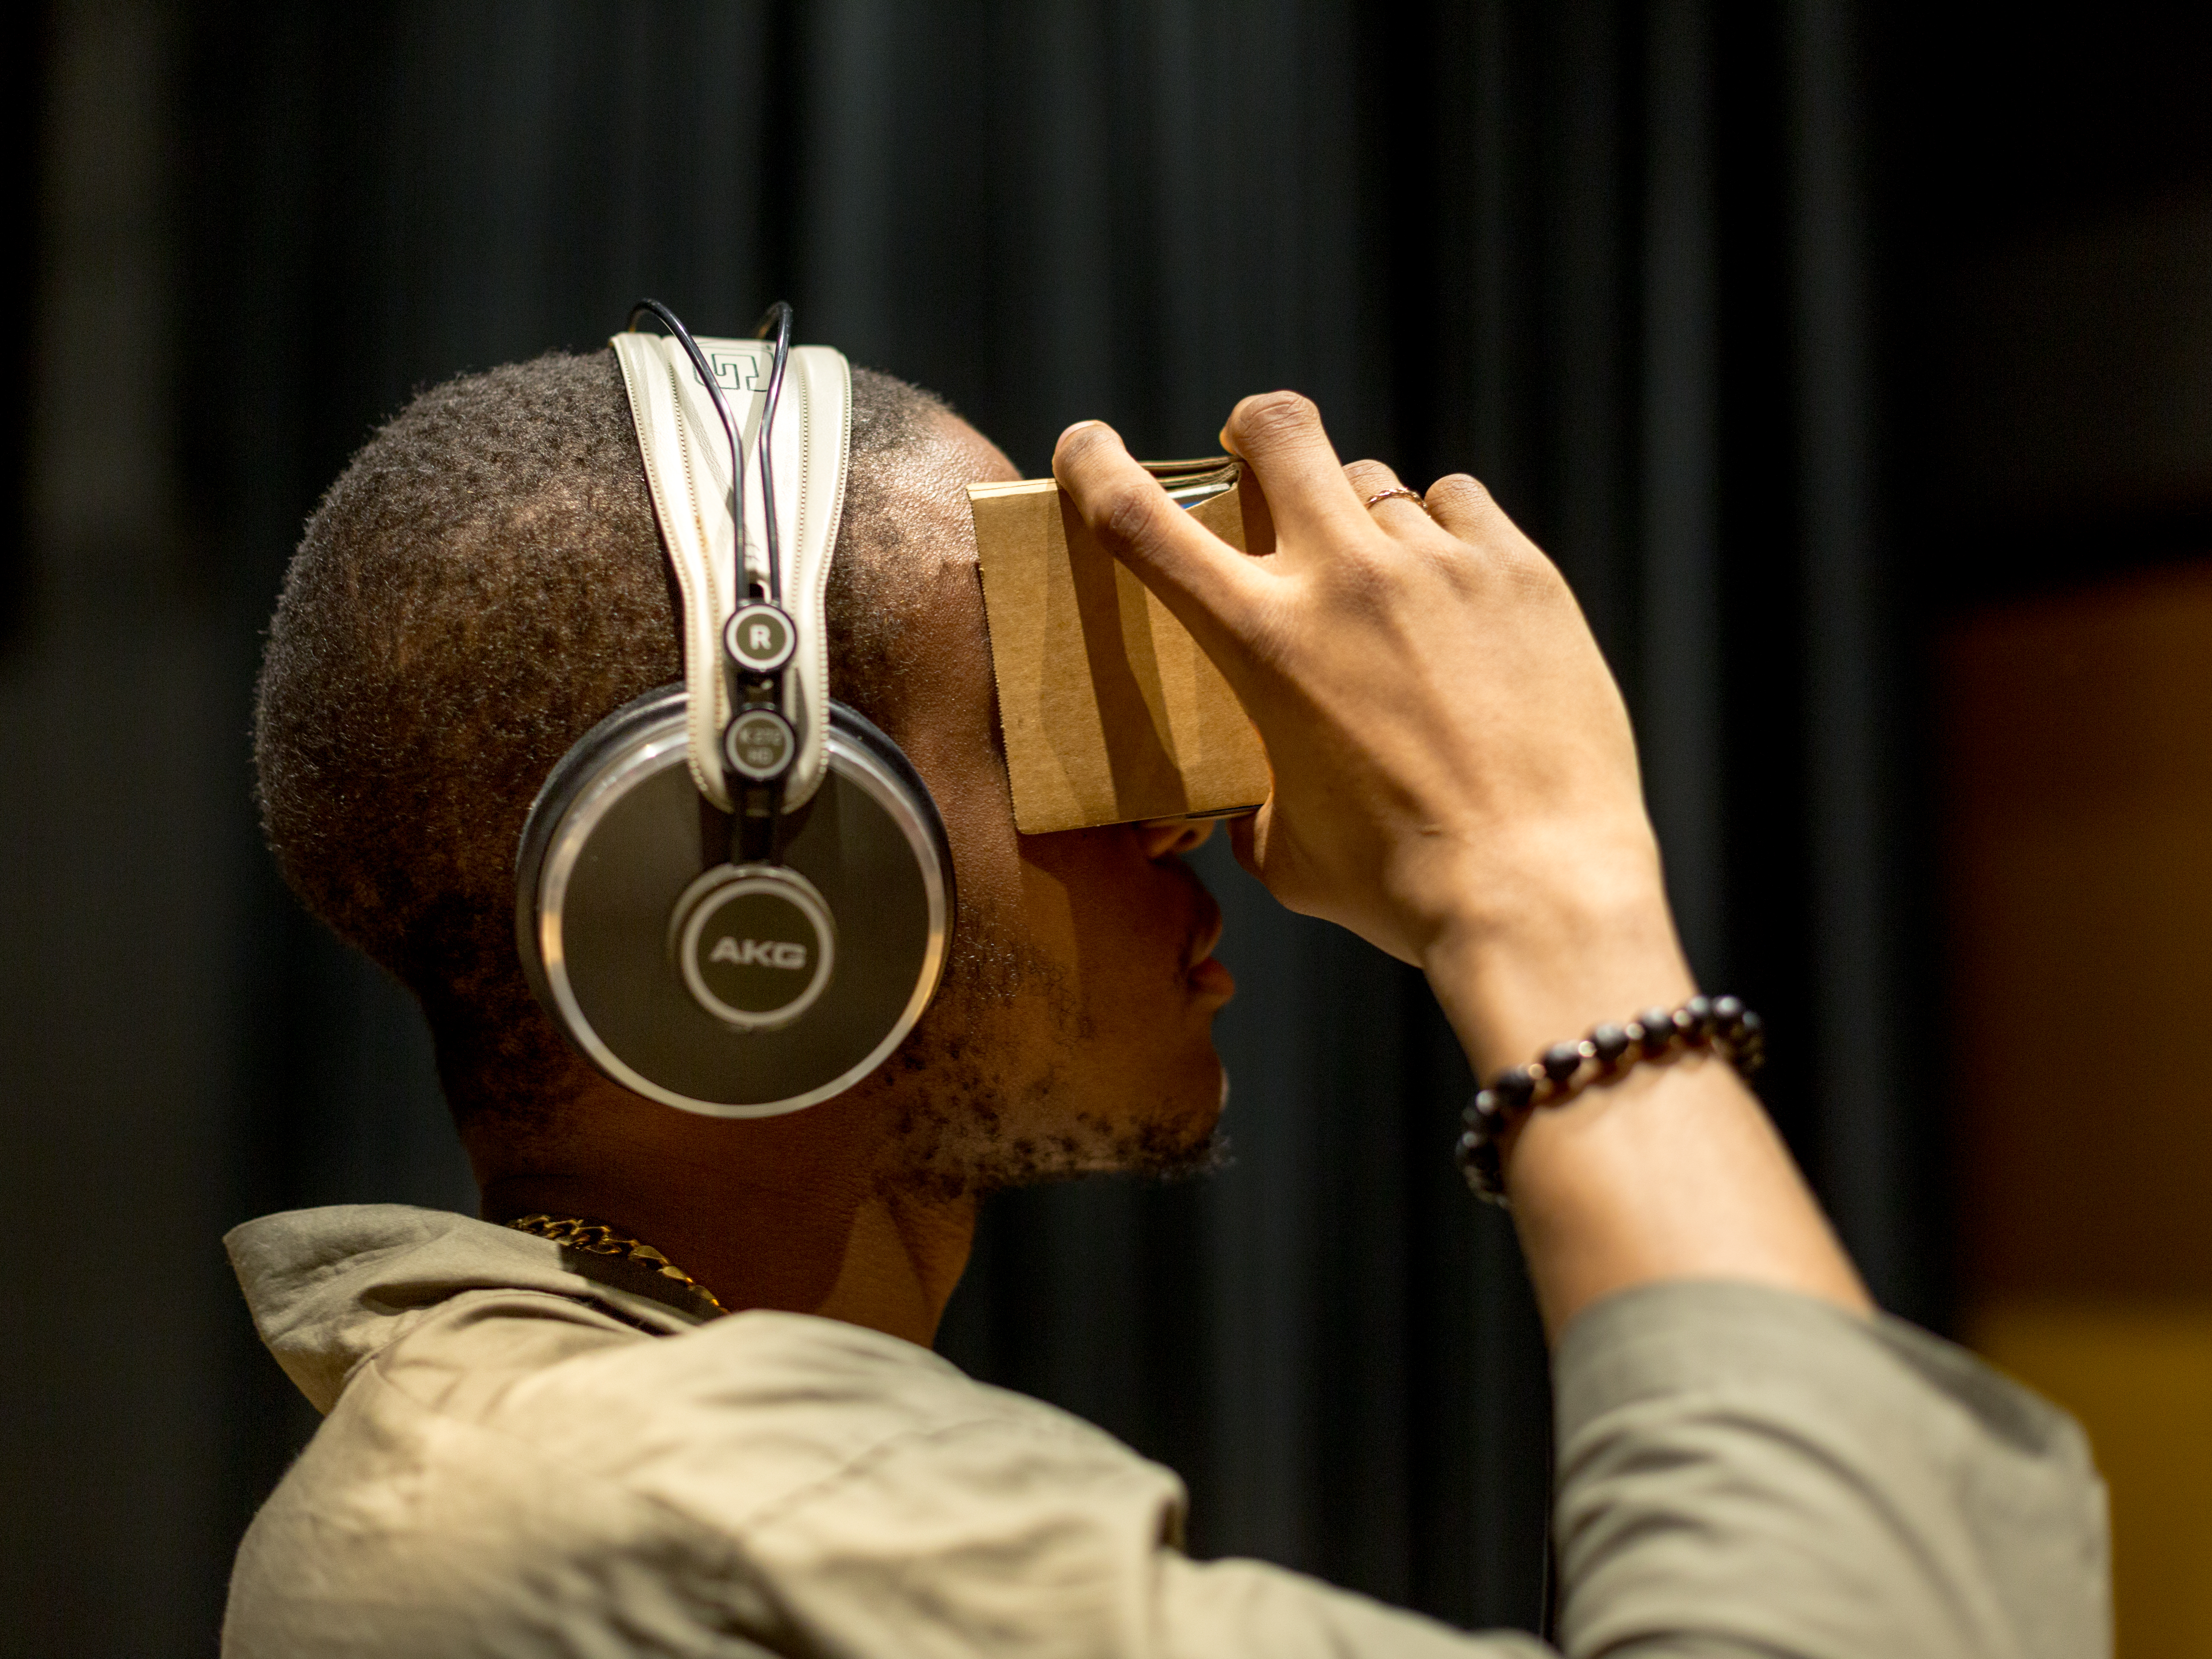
{"points": [[734, 894]]}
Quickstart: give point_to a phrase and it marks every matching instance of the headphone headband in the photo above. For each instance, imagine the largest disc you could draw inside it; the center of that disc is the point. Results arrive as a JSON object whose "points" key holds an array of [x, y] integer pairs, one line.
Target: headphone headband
{"points": [[719, 563], [745, 965]]}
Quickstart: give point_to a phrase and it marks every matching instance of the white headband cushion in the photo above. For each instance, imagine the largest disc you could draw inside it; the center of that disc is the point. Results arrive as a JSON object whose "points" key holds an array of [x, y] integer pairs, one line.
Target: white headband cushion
{"points": [[687, 471]]}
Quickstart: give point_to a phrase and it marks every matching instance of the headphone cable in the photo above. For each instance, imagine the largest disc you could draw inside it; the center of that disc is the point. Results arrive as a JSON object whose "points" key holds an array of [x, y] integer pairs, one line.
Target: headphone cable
{"points": [[777, 318]]}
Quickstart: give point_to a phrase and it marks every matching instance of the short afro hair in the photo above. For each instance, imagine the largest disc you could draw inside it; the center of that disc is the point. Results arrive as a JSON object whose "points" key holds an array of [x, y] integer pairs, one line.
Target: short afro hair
{"points": [[482, 585]]}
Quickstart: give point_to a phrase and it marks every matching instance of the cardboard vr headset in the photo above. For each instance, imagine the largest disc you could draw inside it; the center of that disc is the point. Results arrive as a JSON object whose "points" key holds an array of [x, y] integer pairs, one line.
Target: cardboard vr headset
{"points": [[1112, 712]]}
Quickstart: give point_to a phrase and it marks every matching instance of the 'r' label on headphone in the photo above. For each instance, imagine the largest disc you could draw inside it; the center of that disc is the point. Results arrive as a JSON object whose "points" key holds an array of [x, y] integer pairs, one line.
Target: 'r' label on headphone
{"points": [[759, 637]]}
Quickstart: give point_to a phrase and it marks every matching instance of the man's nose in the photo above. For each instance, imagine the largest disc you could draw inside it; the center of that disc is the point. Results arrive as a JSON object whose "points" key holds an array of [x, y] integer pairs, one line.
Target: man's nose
{"points": [[1162, 837]]}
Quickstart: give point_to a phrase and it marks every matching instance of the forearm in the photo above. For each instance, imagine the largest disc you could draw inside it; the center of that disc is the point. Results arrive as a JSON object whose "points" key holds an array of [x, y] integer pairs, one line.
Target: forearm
{"points": [[1673, 1172]]}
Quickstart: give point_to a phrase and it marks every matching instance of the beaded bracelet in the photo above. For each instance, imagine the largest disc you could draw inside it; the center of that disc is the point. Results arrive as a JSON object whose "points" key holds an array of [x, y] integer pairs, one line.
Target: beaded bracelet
{"points": [[1720, 1025]]}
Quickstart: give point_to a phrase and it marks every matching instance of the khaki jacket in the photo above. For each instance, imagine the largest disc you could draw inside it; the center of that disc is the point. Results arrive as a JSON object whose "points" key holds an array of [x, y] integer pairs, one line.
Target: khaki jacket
{"points": [[519, 1460]]}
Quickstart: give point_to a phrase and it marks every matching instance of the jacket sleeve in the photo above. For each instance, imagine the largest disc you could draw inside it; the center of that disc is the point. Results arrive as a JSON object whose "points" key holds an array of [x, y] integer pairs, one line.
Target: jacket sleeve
{"points": [[1747, 1473]]}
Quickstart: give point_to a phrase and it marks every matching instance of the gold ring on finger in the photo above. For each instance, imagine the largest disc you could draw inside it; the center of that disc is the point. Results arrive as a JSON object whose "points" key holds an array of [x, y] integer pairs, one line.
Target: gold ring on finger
{"points": [[1412, 495]]}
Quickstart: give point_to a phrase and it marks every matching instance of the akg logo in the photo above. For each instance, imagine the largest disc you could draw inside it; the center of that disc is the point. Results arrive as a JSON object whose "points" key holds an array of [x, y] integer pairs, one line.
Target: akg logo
{"points": [[758, 953]]}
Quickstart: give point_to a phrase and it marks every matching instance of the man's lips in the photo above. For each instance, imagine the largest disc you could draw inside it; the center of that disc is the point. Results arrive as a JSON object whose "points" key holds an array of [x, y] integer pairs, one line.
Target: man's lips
{"points": [[1205, 935], [1202, 972]]}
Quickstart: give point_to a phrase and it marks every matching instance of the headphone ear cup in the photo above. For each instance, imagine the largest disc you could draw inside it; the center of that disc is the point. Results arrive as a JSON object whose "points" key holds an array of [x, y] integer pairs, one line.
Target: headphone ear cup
{"points": [[705, 988], [855, 735]]}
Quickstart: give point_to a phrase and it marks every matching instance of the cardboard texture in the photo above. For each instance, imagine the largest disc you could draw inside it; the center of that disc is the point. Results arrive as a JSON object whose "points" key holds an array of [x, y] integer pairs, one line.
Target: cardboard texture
{"points": [[1112, 712]]}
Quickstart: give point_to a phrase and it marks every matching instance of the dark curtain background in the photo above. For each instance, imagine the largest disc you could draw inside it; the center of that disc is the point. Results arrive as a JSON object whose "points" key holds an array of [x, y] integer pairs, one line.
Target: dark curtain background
{"points": [[1612, 259]]}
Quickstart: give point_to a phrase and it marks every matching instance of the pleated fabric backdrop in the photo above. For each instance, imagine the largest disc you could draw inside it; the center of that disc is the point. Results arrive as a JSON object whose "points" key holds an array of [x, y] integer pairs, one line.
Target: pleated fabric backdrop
{"points": [[1613, 259]]}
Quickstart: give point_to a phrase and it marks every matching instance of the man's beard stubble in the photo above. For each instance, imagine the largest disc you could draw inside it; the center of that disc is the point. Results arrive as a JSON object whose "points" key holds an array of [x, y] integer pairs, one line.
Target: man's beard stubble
{"points": [[971, 1129]]}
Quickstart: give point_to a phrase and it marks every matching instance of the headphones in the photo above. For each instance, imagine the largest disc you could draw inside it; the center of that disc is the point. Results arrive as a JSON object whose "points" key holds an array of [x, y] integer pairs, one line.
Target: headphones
{"points": [[734, 894]]}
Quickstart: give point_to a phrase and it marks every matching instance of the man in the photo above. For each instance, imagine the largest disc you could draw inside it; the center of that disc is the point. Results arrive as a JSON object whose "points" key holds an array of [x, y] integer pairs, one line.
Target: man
{"points": [[728, 1437]]}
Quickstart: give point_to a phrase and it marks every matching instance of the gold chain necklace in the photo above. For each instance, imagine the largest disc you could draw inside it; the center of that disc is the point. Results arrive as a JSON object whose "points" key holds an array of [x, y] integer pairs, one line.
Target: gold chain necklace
{"points": [[597, 1238]]}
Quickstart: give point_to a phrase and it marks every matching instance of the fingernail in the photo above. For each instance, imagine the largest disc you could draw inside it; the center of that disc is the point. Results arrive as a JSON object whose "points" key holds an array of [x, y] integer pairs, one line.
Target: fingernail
{"points": [[1078, 427]]}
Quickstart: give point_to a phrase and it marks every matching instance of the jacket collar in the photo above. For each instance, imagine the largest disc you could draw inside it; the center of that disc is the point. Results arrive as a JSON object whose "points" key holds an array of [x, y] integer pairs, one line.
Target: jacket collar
{"points": [[329, 1288]]}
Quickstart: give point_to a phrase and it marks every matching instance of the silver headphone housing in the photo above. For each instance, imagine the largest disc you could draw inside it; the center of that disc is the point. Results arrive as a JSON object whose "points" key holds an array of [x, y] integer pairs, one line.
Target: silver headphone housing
{"points": [[614, 846]]}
